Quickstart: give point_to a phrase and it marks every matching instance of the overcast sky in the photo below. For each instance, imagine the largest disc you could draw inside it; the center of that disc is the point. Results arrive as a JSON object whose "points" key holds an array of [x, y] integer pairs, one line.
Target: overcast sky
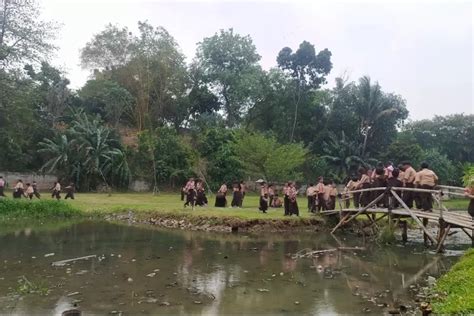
{"points": [[422, 50]]}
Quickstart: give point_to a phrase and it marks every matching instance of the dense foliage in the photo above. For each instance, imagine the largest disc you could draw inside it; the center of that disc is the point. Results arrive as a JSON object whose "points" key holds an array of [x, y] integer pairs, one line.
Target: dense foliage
{"points": [[146, 114]]}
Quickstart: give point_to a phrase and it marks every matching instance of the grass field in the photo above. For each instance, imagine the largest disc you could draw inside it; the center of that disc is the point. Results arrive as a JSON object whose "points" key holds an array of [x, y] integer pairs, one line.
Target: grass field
{"points": [[171, 203], [456, 288]]}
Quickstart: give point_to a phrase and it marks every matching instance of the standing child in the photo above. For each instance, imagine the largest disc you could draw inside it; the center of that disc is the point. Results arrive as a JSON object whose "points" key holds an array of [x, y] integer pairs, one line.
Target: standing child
{"points": [[426, 179], [236, 196], [293, 203], [286, 199], [394, 182], [243, 189], [310, 196], [364, 183], [351, 186], [320, 190], [263, 198], [332, 196], [271, 194], [221, 200]]}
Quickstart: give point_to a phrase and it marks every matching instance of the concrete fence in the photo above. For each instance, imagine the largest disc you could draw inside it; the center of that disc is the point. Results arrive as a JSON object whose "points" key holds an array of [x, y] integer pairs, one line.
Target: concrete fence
{"points": [[44, 181]]}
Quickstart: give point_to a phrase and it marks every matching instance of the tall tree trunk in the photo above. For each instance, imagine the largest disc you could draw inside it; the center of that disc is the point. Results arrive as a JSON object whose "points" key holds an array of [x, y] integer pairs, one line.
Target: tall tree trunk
{"points": [[297, 101]]}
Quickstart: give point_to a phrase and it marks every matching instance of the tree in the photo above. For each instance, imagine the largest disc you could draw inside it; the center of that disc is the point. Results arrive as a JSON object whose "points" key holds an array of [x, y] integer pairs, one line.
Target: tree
{"points": [[345, 155], [452, 135], [404, 148], [52, 90], [307, 69], [23, 35], [110, 49], [263, 156], [107, 98], [229, 65], [150, 66], [92, 155], [376, 111]]}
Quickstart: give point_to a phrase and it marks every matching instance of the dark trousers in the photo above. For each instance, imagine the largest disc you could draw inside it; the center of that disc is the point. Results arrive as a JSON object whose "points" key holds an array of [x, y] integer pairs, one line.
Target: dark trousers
{"points": [[293, 206], [263, 204], [69, 195], [310, 203], [356, 199], [426, 198], [286, 204], [190, 198], [331, 203], [365, 196], [37, 194], [2, 193], [56, 194], [408, 196], [321, 202]]}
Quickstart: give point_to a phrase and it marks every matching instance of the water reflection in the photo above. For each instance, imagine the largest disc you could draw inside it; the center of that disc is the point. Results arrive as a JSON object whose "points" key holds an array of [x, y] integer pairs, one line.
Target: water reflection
{"points": [[154, 271]]}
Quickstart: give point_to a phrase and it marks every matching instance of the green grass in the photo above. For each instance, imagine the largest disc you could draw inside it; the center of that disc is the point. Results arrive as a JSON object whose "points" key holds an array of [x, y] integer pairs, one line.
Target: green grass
{"points": [[170, 203], [164, 203], [456, 288], [13, 209]]}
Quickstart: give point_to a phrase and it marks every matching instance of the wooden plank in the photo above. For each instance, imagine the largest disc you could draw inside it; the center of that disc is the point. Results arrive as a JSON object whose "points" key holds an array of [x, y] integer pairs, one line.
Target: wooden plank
{"points": [[415, 218], [443, 238]]}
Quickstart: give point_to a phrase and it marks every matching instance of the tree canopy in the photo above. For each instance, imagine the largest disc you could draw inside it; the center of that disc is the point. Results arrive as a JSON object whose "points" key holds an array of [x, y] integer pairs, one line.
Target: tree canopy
{"points": [[147, 113]]}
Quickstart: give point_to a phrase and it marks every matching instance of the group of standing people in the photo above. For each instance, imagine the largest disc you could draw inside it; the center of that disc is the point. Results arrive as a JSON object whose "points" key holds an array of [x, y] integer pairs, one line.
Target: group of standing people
{"points": [[321, 196], [30, 190], [193, 193], [389, 176], [238, 195], [269, 198]]}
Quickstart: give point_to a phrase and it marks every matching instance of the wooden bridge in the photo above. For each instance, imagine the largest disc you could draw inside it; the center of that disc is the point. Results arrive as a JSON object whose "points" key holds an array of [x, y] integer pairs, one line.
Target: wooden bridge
{"points": [[445, 219]]}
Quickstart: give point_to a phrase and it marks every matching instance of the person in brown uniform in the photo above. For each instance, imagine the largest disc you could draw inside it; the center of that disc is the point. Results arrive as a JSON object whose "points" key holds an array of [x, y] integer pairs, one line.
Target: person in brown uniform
{"points": [[351, 186], [271, 194], [364, 183], [332, 196], [320, 189], [408, 180], [263, 197], [310, 196], [426, 179], [293, 203], [286, 200]]}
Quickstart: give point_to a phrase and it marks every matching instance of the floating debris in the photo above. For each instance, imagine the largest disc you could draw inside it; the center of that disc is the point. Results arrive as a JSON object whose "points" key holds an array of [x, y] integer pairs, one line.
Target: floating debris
{"points": [[49, 254], [263, 290]]}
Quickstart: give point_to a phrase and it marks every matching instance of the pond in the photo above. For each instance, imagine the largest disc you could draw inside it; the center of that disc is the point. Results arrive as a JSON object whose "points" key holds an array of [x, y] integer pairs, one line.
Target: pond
{"points": [[151, 271]]}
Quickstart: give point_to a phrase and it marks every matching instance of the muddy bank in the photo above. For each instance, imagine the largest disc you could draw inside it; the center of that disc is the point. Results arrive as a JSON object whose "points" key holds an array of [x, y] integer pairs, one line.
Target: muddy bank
{"points": [[220, 224]]}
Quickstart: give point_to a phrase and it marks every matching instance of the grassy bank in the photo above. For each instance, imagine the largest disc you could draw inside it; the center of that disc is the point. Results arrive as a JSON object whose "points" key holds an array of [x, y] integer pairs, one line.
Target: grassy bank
{"points": [[456, 288], [11, 209]]}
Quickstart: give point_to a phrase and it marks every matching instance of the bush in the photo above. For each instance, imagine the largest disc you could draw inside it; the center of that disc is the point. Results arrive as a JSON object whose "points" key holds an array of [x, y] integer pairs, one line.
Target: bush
{"points": [[20, 209]]}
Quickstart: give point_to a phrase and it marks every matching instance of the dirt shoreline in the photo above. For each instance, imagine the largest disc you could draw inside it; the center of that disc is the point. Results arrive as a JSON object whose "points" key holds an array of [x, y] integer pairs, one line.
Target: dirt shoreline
{"points": [[220, 224]]}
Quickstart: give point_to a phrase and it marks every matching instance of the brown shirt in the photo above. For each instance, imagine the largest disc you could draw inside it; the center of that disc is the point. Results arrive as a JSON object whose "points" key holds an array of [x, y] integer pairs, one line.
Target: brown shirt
{"points": [[409, 175], [426, 177], [364, 179], [320, 188], [333, 191]]}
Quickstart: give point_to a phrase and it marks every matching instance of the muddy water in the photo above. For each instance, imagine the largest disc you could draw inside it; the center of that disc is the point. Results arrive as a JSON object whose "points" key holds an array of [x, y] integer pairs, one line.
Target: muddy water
{"points": [[150, 271]]}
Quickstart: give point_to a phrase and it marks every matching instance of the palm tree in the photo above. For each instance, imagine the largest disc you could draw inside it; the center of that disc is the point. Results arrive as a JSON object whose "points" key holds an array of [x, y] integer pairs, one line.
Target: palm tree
{"points": [[344, 154], [92, 154], [60, 151], [371, 105]]}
